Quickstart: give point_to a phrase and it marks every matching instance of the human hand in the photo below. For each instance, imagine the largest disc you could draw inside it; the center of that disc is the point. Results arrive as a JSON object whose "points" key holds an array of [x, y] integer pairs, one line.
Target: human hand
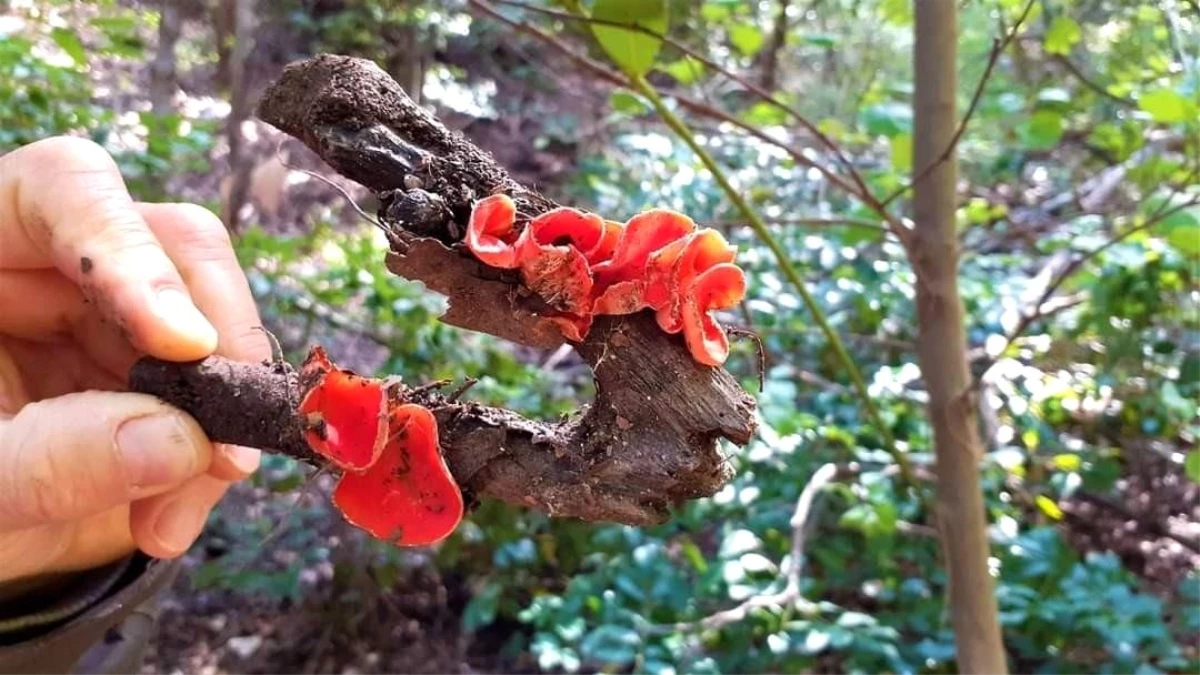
{"points": [[89, 281]]}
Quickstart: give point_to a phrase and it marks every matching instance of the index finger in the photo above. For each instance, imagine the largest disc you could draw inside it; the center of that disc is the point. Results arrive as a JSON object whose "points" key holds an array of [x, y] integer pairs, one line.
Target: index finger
{"points": [[63, 204]]}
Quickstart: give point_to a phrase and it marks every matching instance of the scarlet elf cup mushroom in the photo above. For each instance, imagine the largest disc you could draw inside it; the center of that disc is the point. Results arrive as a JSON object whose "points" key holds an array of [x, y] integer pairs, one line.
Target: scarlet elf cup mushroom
{"points": [[583, 266], [395, 482]]}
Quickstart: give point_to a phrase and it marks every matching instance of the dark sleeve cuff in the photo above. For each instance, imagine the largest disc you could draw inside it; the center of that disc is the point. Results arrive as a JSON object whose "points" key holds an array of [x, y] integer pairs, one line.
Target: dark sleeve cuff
{"points": [[67, 625]]}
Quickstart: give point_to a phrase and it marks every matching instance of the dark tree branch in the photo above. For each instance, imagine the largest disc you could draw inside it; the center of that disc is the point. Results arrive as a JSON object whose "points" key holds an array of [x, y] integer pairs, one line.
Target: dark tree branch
{"points": [[1078, 73], [648, 441]]}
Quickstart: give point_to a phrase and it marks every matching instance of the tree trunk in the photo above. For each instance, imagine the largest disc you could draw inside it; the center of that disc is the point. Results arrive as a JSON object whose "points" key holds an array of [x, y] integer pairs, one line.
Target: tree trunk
{"points": [[942, 345], [240, 108], [162, 69], [768, 61], [406, 59], [224, 17]]}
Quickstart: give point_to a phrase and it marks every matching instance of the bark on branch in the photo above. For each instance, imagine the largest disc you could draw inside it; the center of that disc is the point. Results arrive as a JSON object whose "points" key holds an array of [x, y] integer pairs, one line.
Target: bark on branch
{"points": [[648, 440]]}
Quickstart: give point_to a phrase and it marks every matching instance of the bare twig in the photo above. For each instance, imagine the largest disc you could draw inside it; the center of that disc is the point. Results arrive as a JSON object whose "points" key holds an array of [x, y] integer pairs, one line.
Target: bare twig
{"points": [[998, 47], [1078, 73], [790, 595], [863, 193], [462, 389], [762, 352], [340, 190], [608, 75]]}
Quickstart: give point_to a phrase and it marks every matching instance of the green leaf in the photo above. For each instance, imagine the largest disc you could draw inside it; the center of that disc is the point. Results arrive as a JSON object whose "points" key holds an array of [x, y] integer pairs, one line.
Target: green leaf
{"points": [[1063, 34], [888, 119], [69, 42], [897, 12], [1191, 465], [611, 645], [765, 114], [746, 38], [820, 40], [1054, 97], [627, 103], [816, 641], [1102, 474], [685, 71], [1042, 131], [1182, 231], [481, 610], [633, 52], [1167, 106], [902, 152]]}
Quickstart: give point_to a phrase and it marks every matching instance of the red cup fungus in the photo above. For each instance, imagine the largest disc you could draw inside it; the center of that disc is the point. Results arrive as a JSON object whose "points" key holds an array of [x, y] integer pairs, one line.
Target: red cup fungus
{"points": [[395, 484], [583, 266]]}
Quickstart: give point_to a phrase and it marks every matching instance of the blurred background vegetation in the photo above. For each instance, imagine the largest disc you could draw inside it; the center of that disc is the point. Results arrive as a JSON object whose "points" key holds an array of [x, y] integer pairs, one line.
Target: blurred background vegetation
{"points": [[1080, 171]]}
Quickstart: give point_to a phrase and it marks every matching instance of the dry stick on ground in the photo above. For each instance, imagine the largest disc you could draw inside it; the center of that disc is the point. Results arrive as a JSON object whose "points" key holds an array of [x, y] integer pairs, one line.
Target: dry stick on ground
{"points": [[647, 441], [942, 345], [790, 595]]}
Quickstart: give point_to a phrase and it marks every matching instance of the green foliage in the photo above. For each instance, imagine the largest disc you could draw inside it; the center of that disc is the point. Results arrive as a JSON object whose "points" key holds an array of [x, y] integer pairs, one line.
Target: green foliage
{"points": [[46, 93], [1168, 106], [42, 97], [1062, 35], [632, 51], [1082, 613]]}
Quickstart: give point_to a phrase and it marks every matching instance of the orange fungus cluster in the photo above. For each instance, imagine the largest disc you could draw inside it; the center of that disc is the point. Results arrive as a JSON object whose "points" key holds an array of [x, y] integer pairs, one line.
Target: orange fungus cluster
{"points": [[395, 483], [583, 265]]}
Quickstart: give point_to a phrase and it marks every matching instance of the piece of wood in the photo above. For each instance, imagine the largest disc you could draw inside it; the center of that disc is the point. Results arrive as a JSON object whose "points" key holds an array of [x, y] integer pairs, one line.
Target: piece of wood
{"points": [[648, 440]]}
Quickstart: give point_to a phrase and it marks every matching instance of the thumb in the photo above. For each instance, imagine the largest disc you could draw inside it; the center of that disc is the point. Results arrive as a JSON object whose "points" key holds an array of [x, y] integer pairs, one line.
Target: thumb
{"points": [[80, 454]]}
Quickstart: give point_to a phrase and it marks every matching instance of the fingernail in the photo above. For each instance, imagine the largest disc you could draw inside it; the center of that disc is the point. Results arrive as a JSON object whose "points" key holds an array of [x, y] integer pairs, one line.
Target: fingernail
{"points": [[178, 525], [157, 450], [244, 459], [177, 309]]}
